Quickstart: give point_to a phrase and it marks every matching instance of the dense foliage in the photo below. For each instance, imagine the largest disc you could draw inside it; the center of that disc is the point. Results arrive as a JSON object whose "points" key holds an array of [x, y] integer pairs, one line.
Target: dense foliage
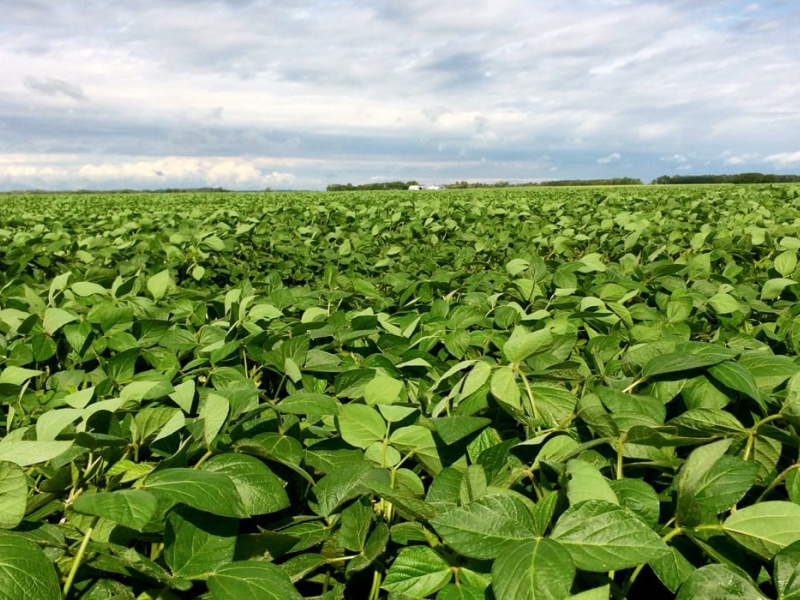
{"points": [[470, 394], [747, 178]]}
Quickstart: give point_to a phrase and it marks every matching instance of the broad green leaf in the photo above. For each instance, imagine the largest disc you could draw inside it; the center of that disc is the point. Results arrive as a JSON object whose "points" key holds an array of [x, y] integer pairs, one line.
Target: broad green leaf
{"points": [[183, 395], [360, 425], [55, 318], [159, 284], [26, 453], [53, 422], [706, 422], [765, 528], [13, 495], [87, 288], [523, 344], [419, 441], [260, 490], [383, 390], [504, 387], [214, 413], [539, 569], [305, 403], [13, 375], [773, 288], [356, 520], [602, 536], [197, 543], [786, 262], [132, 508], [476, 378], [251, 579], [598, 593], [456, 427], [204, 490], [587, 483], [639, 497], [417, 572], [672, 569], [718, 582], [679, 362], [736, 377], [787, 572], [26, 572], [724, 304], [341, 485], [483, 528]]}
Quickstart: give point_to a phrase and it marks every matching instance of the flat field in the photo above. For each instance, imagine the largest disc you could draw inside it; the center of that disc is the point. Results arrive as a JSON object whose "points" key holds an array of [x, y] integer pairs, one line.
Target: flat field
{"points": [[508, 393]]}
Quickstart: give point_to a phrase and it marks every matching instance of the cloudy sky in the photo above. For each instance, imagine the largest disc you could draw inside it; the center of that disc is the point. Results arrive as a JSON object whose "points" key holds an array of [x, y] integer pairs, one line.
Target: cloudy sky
{"points": [[244, 94]]}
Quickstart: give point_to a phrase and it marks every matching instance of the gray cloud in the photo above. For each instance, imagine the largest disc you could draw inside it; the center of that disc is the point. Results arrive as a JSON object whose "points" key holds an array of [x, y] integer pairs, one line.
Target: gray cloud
{"points": [[50, 86]]}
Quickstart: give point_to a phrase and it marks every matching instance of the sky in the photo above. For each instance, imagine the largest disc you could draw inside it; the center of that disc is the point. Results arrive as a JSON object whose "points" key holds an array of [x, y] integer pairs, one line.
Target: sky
{"points": [[255, 94]]}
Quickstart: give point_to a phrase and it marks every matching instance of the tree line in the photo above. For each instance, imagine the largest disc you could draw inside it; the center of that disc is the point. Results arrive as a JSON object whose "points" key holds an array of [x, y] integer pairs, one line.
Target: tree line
{"points": [[738, 178]]}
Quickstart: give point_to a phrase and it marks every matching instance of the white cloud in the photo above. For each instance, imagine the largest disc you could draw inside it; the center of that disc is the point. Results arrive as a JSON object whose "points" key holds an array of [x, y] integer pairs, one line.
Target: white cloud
{"points": [[170, 171], [784, 159], [345, 84], [613, 157]]}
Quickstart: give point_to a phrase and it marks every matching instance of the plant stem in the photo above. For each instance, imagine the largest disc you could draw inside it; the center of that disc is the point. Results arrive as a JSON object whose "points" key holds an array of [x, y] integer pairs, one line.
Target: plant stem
{"points": [[776, 482], [620, 446], [375, 591], [76, 562]]}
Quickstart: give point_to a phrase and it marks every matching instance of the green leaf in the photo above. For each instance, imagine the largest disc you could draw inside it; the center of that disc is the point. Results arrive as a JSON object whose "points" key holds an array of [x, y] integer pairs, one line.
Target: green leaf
{"points": [[26, 572], [765, 528], [360, 425], [214, 413], [204, 490], [718, 582], [587, 483], [53, 422], [679, 362], [419, 441], [251, 579], [87, 288], [261, 491], [736, 377], [504, 387], [17, 375], [13, 495], [483, 528], [786, 262], [26, 453], [356, 520], [602, 536], [539, 569], [306, 403], [456, 427], [196, 543], [523, 343], [341, 485], [773, 288], [417, 572], [383, 390], [132, 508], [55, 318], [158, 284], [724, 304], [638, 497], [672, 569], [477, 377], [787, 572]]}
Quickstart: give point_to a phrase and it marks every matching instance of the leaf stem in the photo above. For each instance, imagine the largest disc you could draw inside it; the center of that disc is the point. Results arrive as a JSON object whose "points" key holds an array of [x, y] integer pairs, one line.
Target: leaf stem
{"points": [[76, 562], [776, 482], [375, 591]]}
